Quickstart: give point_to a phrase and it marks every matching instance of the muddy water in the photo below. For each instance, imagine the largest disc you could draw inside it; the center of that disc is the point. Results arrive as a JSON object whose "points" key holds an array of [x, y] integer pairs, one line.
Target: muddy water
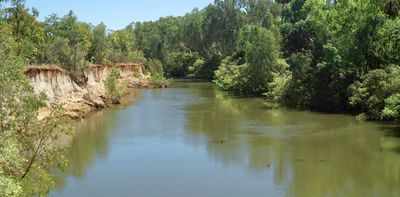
{"points": [[194, 140]]}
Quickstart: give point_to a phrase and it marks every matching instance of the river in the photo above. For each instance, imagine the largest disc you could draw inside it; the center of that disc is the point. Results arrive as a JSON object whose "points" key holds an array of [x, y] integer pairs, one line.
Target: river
{"points": [[195, 140]]}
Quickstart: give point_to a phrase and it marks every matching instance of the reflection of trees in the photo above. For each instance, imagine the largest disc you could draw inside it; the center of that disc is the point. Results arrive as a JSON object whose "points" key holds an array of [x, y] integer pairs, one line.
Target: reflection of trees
{"points": [[316, 154], [350, 164], [92, 140]]}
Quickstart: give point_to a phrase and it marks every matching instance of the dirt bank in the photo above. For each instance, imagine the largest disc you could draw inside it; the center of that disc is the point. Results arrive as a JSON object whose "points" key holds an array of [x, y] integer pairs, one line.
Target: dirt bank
{"points": [[80, 95]]}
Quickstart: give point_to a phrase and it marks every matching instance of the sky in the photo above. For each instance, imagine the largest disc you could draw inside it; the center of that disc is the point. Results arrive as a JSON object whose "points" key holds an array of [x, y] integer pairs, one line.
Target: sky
{"points": [[116, 14]]}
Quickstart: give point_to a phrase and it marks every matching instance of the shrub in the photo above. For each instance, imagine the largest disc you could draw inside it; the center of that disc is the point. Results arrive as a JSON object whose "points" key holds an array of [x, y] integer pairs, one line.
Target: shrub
{"points": [[114, 91], [392, 107], [376, 94], [154, 66], [229, 75]]}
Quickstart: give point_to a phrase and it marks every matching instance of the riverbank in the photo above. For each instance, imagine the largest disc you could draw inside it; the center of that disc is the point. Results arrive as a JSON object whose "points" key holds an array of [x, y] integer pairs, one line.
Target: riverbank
{"points": [[80, 96]]}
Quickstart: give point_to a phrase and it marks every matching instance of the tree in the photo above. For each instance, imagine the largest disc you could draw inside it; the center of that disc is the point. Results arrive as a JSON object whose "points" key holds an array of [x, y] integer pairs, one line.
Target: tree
{"points": [[28, 146], [192, 33], [261, 53], [114, 91], [123, 48], [74, 36], [387, 44], [28, 32], [100, 44], [251, 69], [221, 26]]}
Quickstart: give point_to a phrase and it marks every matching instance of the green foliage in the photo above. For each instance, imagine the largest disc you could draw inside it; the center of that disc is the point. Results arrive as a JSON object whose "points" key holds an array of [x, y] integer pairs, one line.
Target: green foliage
{"points": [[26, 30], [392, 107], [114, 91], [229, 75], [158, 80], [313, 54], [28, 146], [261, 53], [330, 45], [178, 64], [192, 33], [122, 43], [376, 93], [253, 65], [222, 23], [278, 88], [194, 70], [157, 39], [62, 54], [68, 42], [206, 69], [100, 45], [154, 67], [387, 45]]}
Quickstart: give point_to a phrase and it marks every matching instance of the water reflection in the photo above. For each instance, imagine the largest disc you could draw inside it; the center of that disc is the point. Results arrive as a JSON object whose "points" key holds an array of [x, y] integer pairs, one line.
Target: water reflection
{"points": [[318, 154], [156, 149], [92, 140]]}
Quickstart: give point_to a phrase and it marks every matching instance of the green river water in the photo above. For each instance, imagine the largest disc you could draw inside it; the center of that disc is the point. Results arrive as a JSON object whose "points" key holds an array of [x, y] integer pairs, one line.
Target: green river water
{"points": [[195, 140]]}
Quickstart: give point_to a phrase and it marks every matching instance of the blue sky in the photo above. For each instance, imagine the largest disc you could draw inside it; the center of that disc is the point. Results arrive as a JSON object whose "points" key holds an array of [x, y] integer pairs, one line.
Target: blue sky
{"points": [[116, 14]]}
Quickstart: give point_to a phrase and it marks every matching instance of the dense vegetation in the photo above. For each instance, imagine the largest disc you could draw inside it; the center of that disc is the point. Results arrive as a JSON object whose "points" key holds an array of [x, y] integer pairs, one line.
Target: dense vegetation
{"points": [[325, 55], [313, 54], [65, 41], [28, 147], [331, 56]]}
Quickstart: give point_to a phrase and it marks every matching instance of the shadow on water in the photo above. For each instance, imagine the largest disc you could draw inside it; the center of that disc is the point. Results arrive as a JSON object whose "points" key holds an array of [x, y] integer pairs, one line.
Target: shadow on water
{"points": [[391, 130], [391, 140]]}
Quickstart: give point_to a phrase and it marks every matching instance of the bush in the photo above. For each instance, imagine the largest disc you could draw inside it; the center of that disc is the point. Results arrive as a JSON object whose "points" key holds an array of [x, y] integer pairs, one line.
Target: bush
{"points": [[196, 67], [156, 71], [229, 75], [279, 87], [114, 91], [158, 80], [376, 94], [392, 107]]}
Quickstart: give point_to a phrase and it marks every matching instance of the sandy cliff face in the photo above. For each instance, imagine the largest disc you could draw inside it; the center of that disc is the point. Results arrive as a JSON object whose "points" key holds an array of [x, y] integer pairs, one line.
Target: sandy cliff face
{"points": [[51, 80], [80, 97]]}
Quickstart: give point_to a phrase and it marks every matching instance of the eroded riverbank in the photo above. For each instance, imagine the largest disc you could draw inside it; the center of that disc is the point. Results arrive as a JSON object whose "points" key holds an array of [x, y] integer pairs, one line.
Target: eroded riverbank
{"points": [[80, 96], [194, 140]]}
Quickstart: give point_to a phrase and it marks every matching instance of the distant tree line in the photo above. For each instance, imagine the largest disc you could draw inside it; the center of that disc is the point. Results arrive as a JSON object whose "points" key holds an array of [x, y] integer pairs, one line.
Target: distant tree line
{"points": [[331, 56], [66, 41]]}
